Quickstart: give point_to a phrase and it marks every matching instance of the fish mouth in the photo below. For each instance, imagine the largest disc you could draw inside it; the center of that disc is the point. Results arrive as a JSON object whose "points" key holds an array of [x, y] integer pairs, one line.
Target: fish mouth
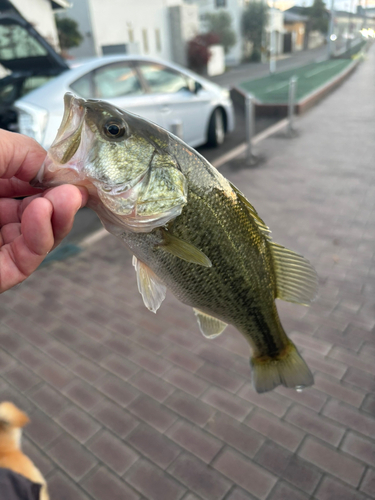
{"points": [[71, 124], [61, 165], [68, 138]]}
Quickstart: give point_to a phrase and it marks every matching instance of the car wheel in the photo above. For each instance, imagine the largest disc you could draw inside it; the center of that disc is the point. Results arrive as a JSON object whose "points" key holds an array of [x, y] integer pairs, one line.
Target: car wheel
{"points": [[216, 128]]}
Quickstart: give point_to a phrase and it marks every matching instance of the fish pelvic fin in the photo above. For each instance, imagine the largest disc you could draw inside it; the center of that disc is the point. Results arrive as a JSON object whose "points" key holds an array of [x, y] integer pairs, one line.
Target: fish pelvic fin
{"points": [[296, 279], [209, 326], [286, 368]]}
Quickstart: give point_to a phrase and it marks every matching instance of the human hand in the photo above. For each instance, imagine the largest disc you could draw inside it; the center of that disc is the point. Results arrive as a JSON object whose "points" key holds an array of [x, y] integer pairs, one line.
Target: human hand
{"points": [[32, 227]]}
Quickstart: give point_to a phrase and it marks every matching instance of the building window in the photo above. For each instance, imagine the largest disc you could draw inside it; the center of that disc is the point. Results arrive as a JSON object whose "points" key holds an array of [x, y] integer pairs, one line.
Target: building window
{"points": [[158, 40], [109, 50], [220, 3], [131, 35], [145, 40]]}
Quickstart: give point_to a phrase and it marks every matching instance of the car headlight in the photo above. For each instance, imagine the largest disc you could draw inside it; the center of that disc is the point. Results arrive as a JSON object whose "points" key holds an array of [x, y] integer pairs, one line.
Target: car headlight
{"points": [[32, 121]]}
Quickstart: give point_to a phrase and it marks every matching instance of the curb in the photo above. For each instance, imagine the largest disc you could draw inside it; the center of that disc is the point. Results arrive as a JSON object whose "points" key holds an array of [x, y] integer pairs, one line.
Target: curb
{"points": [[307, 102], [241, 148]]}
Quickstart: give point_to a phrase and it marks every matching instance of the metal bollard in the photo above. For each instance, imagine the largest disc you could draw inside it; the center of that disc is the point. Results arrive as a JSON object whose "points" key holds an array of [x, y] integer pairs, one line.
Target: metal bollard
{"points": [[291, 104], [249, 115], [177, 129]]}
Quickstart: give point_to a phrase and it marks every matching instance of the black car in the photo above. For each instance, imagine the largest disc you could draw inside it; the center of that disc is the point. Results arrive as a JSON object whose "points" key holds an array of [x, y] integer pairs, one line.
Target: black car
{"points": [[27, 61]]}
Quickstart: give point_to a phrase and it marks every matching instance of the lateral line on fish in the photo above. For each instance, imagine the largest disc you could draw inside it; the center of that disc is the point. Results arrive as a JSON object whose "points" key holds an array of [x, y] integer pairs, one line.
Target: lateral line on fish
{"points": [[268, 340], [224, 230], [245, 269]]}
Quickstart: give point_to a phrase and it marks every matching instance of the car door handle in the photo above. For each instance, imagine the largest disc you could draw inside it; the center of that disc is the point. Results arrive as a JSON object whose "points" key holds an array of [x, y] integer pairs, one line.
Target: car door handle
{"points": [[165, 109]]}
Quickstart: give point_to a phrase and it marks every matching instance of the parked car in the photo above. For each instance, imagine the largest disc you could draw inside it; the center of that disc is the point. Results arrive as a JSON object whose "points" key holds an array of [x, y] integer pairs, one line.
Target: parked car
{"points": [[165, 93]]}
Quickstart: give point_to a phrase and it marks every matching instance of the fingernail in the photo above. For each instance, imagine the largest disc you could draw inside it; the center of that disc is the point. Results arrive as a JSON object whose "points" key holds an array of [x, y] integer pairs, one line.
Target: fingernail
{"points": [[85, 195]]}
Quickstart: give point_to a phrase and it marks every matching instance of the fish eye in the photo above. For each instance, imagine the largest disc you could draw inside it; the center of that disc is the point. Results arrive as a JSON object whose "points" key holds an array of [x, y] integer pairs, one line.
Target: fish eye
{"points": [[114, 129]]}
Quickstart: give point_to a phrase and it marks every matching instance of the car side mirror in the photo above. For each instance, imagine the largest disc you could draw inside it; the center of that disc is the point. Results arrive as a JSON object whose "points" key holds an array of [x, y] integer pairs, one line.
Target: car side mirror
{"points": [[197, 87], [194, 87]]}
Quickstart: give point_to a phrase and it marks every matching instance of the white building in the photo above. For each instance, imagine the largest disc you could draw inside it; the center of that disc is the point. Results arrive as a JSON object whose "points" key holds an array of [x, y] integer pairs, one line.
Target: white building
{"points": [[128, 27], [235, 9], [184, 25]]}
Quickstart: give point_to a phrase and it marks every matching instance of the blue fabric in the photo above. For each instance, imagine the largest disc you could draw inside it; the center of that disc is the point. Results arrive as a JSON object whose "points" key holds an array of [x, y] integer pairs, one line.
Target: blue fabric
{"points": [[13, 486]]}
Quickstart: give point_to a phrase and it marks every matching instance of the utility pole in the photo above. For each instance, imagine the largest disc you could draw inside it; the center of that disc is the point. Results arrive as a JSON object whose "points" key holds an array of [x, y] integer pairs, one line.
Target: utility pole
{"points": [[272, 42], [348, 40], [331, 30]]}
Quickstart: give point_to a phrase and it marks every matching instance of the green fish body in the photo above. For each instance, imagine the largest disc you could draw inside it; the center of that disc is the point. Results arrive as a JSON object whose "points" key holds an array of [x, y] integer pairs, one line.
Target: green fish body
{"points": [[190, 231]]}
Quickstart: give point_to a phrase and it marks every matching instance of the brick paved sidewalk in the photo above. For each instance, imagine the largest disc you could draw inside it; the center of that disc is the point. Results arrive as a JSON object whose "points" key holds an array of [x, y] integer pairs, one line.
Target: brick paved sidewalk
{"points": [[130, 405]]}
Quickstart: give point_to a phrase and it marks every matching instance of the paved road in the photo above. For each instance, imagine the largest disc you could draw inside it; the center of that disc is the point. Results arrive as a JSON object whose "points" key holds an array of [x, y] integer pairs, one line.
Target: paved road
{"points": [[125, 404], [237, 136]]}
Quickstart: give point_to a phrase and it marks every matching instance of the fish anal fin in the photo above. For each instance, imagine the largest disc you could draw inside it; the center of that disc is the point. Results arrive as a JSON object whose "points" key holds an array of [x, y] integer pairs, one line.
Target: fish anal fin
{"points": [[151, 288], [287, 369], [210, 327], [296, 279], [184, 250]]}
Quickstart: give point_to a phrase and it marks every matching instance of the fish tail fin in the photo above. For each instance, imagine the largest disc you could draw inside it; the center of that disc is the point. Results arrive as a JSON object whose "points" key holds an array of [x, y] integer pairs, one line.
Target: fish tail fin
{"points": [[287, 368]]}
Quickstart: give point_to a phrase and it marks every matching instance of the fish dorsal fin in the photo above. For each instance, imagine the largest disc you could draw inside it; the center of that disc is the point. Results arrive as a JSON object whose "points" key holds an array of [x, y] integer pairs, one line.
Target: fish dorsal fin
{"points": [[260, 223], [149, 285], [183, 250], [210, 327], [296, 279]]}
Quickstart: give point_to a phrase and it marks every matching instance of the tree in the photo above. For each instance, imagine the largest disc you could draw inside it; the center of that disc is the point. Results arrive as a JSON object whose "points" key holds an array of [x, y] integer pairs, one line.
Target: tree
{"points": [[254, 20], [318, 16], [69, 34], [220, 23]]}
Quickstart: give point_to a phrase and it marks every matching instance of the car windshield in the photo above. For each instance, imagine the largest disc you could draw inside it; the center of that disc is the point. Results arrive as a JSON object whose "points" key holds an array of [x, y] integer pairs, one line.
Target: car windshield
{"points": [[116, 80], [11, 91], [16, 43], [33, 82], [163, 80]]}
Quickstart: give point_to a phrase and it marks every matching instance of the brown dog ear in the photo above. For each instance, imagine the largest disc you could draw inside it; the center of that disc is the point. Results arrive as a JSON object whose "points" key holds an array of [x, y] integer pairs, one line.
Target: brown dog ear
{"points": [[22, 419], [12, 416]]}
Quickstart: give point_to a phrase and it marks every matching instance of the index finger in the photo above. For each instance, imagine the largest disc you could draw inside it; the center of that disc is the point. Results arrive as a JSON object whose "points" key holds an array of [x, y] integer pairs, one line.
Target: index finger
{"points": [[20, 156]]}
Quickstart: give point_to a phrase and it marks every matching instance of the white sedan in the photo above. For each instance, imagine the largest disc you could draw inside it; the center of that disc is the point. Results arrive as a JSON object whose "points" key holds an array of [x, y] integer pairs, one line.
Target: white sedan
{"points": [[164, 93]]}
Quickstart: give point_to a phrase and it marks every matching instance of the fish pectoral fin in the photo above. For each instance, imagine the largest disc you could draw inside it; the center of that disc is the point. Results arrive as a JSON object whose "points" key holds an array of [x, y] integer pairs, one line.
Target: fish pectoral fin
{"points": [[184, 250], [296, 279], [287, 369], [210, 327], [149, 285]]}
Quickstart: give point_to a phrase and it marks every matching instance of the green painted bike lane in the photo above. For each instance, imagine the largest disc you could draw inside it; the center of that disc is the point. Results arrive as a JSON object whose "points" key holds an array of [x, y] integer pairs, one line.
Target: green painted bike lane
{"points": [[273, 89]]}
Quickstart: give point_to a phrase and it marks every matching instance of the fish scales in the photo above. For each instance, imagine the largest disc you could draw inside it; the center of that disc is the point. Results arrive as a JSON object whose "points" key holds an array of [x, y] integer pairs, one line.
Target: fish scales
{"points": [[243, 284], [189, 229]]}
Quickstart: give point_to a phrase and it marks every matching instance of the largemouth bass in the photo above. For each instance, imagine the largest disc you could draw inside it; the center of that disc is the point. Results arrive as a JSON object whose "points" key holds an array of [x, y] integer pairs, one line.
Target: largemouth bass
{"points": [[189, 229]]}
